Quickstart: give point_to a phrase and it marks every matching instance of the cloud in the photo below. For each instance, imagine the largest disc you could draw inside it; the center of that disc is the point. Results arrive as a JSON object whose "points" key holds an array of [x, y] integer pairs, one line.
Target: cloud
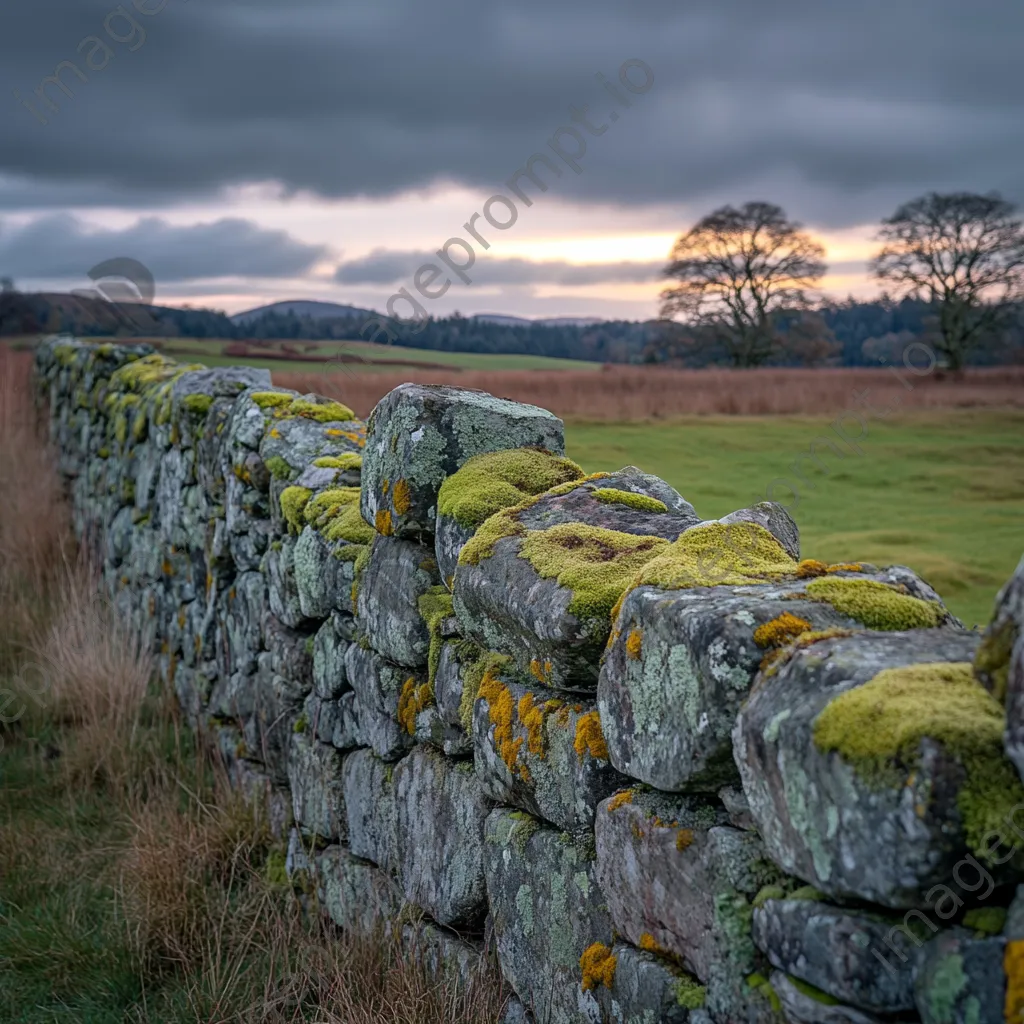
{"points": [[384, 266], [61, 246], [838, 111]]}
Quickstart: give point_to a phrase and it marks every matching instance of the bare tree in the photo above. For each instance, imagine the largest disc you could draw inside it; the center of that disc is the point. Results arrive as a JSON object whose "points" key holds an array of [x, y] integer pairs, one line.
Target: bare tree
{"points": [[962, 252], [737, 270]]}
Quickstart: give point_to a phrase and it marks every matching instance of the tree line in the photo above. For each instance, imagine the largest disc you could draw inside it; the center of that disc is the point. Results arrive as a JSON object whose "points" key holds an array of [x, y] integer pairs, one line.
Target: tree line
{"points": [[743, 292]]}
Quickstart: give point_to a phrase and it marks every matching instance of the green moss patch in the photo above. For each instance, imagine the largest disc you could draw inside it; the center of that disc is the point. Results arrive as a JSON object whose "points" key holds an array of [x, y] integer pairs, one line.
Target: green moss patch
{"points": [[271, 399], [435, 606], [286, 406], [992, 660], [595, 564], [716, 554], [293, 504], [198, 404], [640, 502], [876, 605], [348, 460], [496, 480], [279, 468], [335, 515], [690, 993], [878, 729]]}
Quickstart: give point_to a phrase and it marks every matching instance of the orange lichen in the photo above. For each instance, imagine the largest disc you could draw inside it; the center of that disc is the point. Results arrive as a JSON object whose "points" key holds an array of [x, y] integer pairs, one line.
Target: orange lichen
{"points": [[625, 796], [774, 659], [412, 700], [647, 942], [590, 738], [811, 567], [780, 631], [684, 838], [541, 671], [382, 523], [401, 498], [634, 643], [501, 713], [597, 966], [1013, 965]]}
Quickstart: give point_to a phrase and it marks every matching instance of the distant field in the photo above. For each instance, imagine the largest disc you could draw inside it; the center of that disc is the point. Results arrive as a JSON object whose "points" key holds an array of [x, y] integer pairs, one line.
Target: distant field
{"points": [[359, 357], [940, 492]]}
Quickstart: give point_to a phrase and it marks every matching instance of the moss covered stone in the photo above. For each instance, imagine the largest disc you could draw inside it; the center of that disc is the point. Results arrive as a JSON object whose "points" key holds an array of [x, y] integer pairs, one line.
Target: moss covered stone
{"points": [[878, 728], [641, 502], [198, 404], [877, 605], [488, 483], [293, 504], [346, 461], [595, 564], [717, 554], [435, 606], [279, 468]]}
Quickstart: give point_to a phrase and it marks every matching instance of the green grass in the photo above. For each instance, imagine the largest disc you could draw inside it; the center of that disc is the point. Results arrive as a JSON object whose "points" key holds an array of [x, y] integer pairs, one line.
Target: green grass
{"points": [[941, 492], [210, 351]]}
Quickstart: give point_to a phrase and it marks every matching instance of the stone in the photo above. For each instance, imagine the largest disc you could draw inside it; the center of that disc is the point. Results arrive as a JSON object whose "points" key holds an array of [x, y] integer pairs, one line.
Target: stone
{"points": [[315, 780], [960, 980], [547, 911], [803, 1006], [679, 667], [999, 663], [282, 587], [396, 575], [418, 434], [293, 443], [440, 812], [357, 896], [507, 591], [445, 956], [846, 953], [537, 751], [370, 808], [330, 679], [889, 837], [647, 989], [775, 519], [680, 881], [335, 722], [323, 574]]}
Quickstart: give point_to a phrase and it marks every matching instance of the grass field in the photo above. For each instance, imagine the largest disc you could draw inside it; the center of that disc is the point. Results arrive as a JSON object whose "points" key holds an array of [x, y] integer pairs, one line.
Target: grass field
{"points": [[365, 357], [940, 492]]}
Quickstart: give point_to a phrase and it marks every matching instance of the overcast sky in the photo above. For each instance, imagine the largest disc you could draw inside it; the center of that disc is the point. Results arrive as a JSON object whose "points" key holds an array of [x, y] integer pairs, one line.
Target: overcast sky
{"points": [[252, 150]]}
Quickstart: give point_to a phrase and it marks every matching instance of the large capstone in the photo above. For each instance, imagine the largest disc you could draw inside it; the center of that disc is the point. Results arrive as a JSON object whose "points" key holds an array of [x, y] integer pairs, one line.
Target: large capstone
{"points": [[419, 434], [539, 582], [874, 763]]}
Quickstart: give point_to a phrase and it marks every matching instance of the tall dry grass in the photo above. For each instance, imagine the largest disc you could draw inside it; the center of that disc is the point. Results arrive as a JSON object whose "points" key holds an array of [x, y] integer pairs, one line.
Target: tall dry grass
{"points": [[126, 862], [633, 393]]}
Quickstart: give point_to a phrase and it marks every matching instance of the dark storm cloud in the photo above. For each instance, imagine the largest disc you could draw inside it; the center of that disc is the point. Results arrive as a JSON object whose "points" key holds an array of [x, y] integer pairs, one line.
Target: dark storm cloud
{"points": [[836, 110], [385, 266], [58, 246]]}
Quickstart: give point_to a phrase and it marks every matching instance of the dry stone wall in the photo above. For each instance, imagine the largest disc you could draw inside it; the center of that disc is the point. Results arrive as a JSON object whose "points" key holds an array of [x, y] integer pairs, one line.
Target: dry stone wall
{"points": [[663, 769]]}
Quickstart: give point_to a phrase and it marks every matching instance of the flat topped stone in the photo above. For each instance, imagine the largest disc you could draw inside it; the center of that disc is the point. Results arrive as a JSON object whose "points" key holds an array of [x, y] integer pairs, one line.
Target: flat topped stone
{"points": [[419, 434]]}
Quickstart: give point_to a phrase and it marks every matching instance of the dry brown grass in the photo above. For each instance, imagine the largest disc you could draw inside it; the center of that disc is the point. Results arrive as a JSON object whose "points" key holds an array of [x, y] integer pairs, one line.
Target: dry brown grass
{"points": [[631, 393]]}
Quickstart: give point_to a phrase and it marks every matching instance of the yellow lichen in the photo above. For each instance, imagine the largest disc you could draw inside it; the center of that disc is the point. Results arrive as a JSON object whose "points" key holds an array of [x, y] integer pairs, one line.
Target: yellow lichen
{"points": [[846, 567], [635, 643], [624, 796], [878, 729], [412, 700], [1013, 965], [401, 498], [780, 631], [877, 605], [541, 671], [810, 567], [590, 738], [597, 965], [271, 399], [382, 523]]}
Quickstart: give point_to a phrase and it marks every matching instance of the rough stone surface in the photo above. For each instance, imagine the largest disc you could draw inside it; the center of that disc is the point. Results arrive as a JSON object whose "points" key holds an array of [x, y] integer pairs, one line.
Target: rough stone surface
{"points": [[419, 434], [645, 988], [819, 819], [837, 950], [356, 895], [505, 605], [547, 910], [960, 980], [680, 880], [546, 757], [323, 580], [397, 574], [1000, 661], [803, 1008], [315, 780]]}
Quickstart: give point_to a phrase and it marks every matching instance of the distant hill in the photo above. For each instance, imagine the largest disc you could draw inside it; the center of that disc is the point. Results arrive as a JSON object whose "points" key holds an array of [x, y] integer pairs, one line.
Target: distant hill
{"points": [[302, 307], [549, 321]]}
